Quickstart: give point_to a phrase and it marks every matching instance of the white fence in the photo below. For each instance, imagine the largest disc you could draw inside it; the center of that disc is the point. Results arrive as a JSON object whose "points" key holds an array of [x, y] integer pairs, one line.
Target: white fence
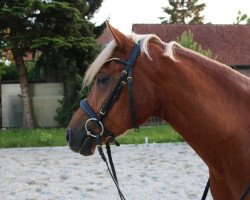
{"points": [[45, 97]]}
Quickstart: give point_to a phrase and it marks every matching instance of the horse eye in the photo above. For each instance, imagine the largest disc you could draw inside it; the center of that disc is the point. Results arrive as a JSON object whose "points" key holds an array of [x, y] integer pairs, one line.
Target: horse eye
{"points": [[102, 79]]}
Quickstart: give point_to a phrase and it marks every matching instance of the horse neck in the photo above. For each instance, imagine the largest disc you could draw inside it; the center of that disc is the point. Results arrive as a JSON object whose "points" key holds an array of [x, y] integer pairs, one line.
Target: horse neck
{"points": [[200, 99]]}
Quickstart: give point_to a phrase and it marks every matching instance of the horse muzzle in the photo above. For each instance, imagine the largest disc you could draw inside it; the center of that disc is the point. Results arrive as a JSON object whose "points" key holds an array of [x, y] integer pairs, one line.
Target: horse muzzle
{"points": [[92, 133], [79, 142]]}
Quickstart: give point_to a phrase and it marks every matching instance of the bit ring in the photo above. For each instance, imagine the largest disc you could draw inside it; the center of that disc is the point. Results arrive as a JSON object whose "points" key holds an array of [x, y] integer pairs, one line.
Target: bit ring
{"points": [[89, 132]]}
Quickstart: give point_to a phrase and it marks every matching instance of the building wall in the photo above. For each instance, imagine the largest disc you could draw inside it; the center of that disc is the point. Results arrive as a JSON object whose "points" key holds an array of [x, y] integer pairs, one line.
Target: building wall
{"points": [[245, 71], [45, 97]]}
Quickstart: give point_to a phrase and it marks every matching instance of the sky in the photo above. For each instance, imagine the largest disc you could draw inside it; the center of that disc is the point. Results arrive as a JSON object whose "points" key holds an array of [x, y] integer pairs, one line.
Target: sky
{"points": [[123, 13]]}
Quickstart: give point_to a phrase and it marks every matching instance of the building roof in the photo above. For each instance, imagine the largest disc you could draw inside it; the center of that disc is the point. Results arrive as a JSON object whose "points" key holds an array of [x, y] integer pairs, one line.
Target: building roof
{"points": [[229, 43], [105, 37]]}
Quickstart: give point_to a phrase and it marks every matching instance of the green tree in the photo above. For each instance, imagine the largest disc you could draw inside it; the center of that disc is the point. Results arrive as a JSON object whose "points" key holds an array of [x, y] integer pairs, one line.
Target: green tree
{"points": [[242, 18], [7, 66], [60, 29], [183, 12], [187, 40], [15, 30], [67, 53], [8, 71]]}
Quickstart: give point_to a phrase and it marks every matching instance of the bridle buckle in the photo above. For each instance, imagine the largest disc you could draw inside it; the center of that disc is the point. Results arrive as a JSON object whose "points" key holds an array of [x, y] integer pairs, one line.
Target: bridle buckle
{"points": [[102, 112]]}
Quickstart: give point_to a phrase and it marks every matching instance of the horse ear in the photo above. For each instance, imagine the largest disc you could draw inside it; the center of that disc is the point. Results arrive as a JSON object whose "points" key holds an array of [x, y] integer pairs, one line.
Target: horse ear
{"points": [[119, 37]]}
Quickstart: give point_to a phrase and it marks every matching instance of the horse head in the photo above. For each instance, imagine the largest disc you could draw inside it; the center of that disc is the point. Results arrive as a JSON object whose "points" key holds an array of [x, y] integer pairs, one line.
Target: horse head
{"points": [[114, 70]]}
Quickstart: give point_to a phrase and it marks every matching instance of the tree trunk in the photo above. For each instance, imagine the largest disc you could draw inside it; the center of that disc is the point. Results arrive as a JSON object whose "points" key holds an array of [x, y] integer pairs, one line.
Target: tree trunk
{"points": [[28, 121]]}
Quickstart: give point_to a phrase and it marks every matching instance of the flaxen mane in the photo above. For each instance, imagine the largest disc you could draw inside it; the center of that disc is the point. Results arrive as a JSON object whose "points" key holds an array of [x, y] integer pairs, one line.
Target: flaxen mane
{"points": [[170, 49], [108, 51]]}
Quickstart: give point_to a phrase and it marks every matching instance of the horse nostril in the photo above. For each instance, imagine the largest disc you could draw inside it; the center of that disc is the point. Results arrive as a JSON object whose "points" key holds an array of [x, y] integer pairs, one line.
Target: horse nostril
{"points": [[68, 134]]}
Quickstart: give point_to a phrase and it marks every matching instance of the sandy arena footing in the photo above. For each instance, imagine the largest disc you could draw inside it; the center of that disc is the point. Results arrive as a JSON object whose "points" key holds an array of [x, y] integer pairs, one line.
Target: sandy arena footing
{"points": [[146, 172]]}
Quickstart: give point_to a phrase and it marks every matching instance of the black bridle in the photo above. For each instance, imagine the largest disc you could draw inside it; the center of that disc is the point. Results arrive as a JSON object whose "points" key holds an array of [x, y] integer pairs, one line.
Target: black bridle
{"points": [[124, 79]]}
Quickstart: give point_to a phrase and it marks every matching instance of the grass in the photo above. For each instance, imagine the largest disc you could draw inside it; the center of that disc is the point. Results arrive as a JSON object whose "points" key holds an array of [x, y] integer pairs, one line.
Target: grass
{"points": [[32, 138], [56, 137], [157, 134]]}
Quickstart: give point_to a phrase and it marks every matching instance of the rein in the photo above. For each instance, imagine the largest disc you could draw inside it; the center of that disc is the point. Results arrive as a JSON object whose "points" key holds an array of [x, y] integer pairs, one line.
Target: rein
{"points": [[125, 78]]}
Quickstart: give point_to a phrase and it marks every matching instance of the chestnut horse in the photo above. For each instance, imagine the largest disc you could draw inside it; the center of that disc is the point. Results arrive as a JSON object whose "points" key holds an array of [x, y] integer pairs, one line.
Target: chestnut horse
{"points": [[207, 102]]}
